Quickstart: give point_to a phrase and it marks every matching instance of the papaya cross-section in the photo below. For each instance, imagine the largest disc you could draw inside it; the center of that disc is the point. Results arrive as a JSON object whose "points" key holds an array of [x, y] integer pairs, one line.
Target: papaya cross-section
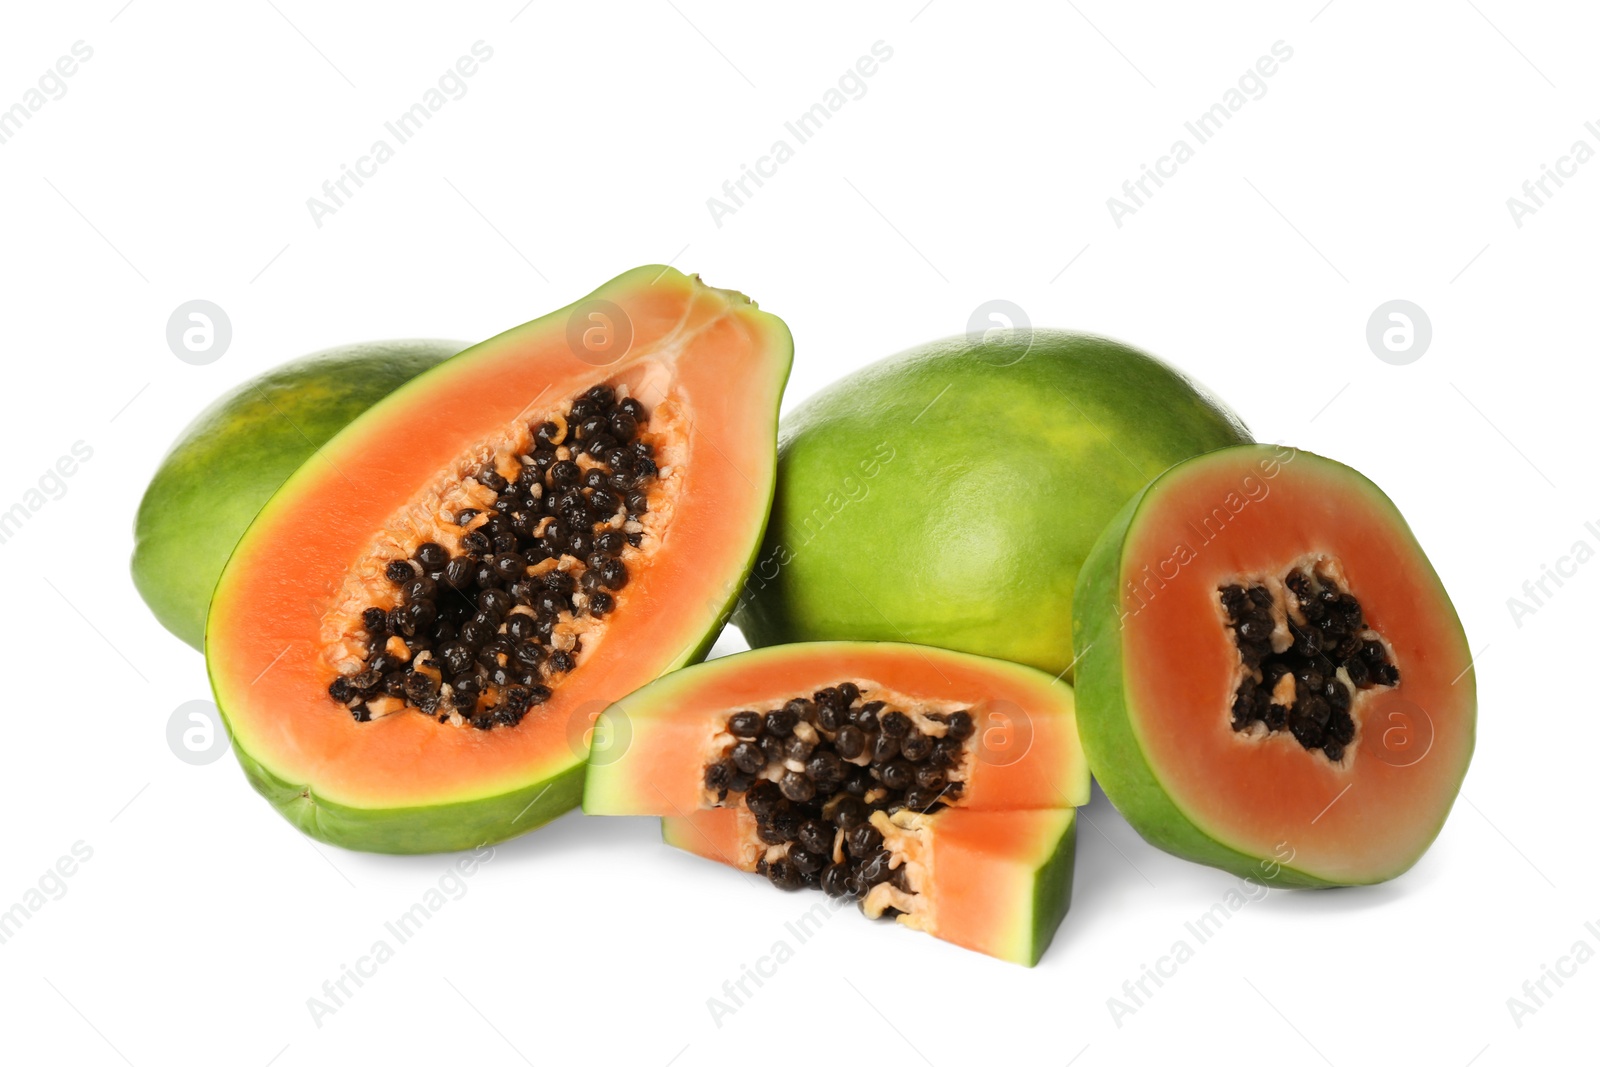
{"points": [[411, 638], [1272, 678]]}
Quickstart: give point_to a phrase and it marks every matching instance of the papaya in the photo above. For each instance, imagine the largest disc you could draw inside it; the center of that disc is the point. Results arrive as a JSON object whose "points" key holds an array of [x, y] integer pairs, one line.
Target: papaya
{"points": [[933, 787], [410, 638], [235, 454], [1272, 679], [949, 495]]}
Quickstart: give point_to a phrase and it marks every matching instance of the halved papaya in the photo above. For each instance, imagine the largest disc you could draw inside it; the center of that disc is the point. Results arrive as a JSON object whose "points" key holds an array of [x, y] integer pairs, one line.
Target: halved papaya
{"points": [[931, 785], [410, 639], [1272, 679], [997, 882]]}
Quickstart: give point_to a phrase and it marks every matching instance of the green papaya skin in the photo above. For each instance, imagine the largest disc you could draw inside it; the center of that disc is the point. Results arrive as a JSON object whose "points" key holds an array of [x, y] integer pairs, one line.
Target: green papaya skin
{"points": [[435, 828], [227, 462], [1052, 893], [949, 495]]}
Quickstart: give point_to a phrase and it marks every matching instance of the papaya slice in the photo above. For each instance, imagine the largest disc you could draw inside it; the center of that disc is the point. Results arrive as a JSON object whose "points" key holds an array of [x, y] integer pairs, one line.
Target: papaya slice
{"points": [[1272, 679], [893, 724], [995, 882], [933, 786], [409, 640]]}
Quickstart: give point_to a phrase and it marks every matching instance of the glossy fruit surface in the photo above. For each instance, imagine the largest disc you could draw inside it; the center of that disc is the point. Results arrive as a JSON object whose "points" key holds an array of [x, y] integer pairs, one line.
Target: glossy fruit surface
{"points": [[948, 495]]}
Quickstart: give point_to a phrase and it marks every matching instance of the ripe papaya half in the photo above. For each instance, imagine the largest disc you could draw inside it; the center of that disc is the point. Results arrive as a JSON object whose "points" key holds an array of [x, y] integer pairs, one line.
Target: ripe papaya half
{"points": [[234, 455], [410, 640], [948, 495], [933, 786], [1272, 679]]}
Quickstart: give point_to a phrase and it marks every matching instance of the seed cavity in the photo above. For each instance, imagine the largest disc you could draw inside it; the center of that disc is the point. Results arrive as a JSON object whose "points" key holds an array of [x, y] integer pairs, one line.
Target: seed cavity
{"points": [[479, 635], [1305, 652], [821, 774]]}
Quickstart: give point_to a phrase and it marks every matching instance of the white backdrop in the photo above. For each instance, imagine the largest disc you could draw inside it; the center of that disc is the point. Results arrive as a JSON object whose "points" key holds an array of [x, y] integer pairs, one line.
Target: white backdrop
{"points": [[1375, 163]]}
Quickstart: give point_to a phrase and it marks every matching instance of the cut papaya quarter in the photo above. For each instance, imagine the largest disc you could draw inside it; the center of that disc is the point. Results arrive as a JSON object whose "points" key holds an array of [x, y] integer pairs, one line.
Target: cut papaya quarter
{"points": [[1271, 678], [997, 882], [411, 638], [794, 729]]}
